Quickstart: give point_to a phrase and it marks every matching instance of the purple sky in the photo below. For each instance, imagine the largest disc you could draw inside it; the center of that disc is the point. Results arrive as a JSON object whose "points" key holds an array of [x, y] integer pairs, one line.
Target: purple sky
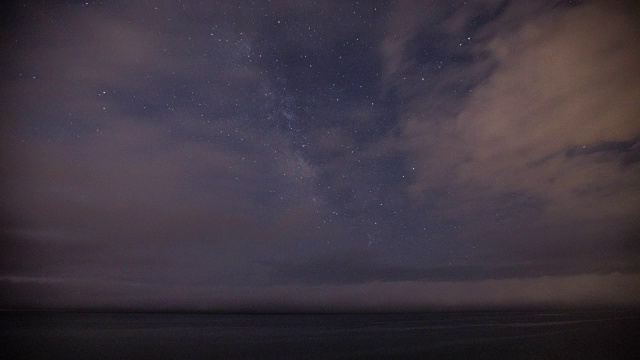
{"points": [[320, 155]]}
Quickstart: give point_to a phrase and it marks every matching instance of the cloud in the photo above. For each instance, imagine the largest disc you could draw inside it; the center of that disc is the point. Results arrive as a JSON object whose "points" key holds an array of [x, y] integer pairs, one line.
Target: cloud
{"points": [[127, 157], [555, 126], [578, 290]]}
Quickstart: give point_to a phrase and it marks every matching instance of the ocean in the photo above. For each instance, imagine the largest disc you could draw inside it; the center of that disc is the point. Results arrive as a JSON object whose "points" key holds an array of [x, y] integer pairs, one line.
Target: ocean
{"points": [[438, 335]]}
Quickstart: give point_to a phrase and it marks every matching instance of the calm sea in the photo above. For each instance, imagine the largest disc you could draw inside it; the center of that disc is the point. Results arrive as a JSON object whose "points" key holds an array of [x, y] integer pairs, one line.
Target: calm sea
{"points": [[490, 335]]}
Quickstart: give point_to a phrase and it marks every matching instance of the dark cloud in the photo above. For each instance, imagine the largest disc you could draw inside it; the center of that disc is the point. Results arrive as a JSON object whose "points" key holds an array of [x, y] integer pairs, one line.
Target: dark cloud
{"points": [[293, 154]]}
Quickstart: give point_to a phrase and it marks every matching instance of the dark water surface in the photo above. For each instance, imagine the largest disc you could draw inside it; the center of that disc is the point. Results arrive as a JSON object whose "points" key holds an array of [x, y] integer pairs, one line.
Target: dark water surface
{"points": [[528, 335]]}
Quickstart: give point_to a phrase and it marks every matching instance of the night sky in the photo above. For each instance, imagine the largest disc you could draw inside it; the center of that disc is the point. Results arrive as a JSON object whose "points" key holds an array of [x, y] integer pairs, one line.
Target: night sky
{"points": [[292, 155]]}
